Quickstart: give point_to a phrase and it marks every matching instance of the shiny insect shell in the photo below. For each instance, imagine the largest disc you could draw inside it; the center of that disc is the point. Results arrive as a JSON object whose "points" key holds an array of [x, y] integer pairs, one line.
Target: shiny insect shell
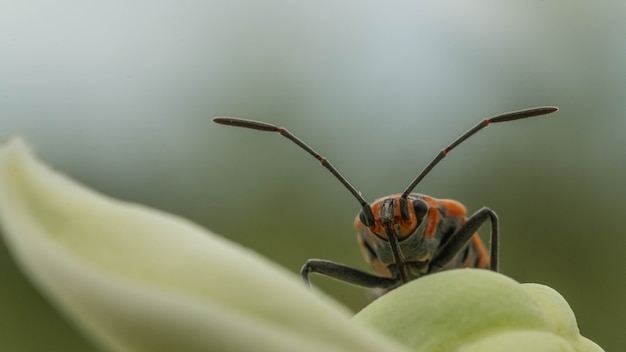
{"points": [[408, 235]]}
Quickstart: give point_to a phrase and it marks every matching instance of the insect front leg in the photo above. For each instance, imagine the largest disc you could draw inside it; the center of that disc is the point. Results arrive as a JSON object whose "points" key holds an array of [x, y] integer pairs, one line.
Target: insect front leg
{"points": [[460, 238], [345, 273]]}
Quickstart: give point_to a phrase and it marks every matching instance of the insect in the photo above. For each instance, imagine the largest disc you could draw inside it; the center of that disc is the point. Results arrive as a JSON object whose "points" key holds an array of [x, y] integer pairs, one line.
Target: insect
{"points": [[408, 235]]}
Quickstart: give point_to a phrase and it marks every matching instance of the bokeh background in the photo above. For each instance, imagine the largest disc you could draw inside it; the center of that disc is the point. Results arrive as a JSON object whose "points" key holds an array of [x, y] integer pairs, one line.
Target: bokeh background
{"points": [[119, 96]]}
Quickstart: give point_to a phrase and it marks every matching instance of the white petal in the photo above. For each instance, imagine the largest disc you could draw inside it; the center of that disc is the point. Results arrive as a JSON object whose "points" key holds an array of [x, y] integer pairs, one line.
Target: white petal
{"points": [[142, 280]]}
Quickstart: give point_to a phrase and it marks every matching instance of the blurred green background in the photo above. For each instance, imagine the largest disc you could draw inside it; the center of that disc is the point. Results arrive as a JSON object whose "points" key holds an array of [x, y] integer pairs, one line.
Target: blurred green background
{"points": [[119, 96]]}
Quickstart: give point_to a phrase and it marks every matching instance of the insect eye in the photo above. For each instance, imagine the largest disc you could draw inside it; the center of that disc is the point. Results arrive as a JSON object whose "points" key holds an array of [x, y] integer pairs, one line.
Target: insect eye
{"points": [[420, 207], [362, 218]]}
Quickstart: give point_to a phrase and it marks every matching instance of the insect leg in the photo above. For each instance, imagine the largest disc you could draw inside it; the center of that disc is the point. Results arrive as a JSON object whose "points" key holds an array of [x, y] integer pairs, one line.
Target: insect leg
{"points": [[345, 273], [460, 238]]}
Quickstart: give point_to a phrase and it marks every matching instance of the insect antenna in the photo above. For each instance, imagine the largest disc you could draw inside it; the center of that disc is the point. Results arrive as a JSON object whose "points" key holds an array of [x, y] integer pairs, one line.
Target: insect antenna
{"points": [[509, 116], [262, 126]]}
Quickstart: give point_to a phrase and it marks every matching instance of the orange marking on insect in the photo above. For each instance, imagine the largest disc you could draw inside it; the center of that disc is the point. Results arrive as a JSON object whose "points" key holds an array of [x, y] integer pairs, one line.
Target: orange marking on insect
{"points": [[453, 208], [404, 227], [433, 222], [483, 257]]}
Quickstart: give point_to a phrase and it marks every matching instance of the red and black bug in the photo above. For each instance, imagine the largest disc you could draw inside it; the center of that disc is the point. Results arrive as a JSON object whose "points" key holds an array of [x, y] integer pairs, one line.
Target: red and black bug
{"points": [[408, 235]]}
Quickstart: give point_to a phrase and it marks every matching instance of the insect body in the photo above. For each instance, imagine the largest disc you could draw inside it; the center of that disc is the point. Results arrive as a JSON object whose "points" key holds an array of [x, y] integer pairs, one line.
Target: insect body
{"points": [[408, 235], [435, 237]]}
